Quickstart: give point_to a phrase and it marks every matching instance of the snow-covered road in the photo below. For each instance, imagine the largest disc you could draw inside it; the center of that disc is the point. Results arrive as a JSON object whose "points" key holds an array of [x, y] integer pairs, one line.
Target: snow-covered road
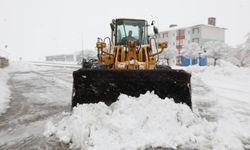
{"points": [[34, 117], [37, 95], [229, 103]]}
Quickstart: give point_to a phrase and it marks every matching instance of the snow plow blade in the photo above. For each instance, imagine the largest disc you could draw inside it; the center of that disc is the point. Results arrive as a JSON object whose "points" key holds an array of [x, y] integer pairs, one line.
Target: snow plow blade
{"points": [[105, 85]]}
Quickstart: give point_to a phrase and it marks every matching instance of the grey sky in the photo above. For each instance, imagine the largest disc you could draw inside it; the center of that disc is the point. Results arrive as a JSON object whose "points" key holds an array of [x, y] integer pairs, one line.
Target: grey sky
{"points": [[35, 28]]}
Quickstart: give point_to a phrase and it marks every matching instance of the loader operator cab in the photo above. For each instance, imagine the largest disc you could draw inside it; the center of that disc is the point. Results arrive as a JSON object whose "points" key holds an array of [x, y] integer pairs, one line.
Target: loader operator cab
{"points": [[130, 29]]}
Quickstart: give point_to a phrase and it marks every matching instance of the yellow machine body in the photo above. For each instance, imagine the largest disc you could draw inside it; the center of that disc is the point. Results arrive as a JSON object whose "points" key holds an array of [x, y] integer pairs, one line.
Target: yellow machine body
{"points": [[128, 64]]}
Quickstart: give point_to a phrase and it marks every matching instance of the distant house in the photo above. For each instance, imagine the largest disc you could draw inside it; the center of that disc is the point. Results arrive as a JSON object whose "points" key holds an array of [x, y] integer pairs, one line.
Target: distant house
{"points": [[201, 33], [74, 57], [63, 58]]}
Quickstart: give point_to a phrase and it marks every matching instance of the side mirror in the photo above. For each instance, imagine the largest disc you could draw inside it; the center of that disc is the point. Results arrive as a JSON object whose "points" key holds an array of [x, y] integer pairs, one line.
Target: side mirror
{"points": [[112, 26], [156, 30], [152, 23]]}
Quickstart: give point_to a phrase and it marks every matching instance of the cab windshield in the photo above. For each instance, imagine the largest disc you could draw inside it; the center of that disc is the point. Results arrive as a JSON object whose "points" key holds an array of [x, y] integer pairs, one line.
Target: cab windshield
{"points": [[135, 30]]}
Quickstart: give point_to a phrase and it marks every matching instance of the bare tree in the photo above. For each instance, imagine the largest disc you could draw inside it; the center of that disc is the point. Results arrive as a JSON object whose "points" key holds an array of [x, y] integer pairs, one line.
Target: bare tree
{"points": [[245, 56], [216, 50], [168, 54], [240, 56], [232, 56]]}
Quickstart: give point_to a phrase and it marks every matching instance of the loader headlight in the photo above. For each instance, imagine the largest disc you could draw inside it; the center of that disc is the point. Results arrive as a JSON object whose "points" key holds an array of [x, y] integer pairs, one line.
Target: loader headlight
{"points": [[100, 45]]}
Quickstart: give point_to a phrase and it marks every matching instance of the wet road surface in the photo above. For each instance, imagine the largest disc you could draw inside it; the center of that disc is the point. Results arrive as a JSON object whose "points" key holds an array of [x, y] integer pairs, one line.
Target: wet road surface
{"points": [[36, 97]]}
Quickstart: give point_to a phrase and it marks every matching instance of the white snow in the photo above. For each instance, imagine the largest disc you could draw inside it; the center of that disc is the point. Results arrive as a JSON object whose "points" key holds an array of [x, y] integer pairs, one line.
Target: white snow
{"points": [[231, 88], [132, 123], [220, 119], [28, 67], [4, 77], [4, 90]]}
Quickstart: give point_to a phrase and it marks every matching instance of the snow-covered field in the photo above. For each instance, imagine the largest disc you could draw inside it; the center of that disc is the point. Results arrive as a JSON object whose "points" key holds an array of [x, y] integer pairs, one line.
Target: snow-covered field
{"points": [[220, 118]]}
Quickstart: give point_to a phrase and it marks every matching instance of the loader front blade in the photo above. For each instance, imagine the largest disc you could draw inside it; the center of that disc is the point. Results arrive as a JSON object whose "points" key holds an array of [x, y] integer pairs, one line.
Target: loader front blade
{"points": [[93, 86]]}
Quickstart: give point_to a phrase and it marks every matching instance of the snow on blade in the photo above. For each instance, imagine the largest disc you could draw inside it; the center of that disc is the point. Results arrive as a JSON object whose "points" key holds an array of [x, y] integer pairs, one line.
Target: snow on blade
{"points": [[132, 123]]}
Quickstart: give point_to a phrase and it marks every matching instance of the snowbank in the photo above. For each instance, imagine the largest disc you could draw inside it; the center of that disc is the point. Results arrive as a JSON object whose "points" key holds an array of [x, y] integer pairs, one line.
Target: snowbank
{"points": [[132, 123], [4, 90], [228, 95]]}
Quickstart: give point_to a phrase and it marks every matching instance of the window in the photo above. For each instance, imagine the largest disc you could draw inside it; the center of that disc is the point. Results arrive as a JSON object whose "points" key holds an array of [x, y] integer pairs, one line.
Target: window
{"points": [[179, 42], [180, 32], [173, 34], [165, 35], [161, 35], [130, 30], [195, 40], [196, 30]]}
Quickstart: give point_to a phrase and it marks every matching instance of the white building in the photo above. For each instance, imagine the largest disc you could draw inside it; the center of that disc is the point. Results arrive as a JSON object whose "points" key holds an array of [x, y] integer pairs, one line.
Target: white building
{"points": [[77, 56], [201, 33]]}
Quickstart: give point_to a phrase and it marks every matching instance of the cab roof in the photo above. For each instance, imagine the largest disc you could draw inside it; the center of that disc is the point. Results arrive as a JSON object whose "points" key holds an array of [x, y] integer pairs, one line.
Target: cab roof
{"points": [[132, 19]]}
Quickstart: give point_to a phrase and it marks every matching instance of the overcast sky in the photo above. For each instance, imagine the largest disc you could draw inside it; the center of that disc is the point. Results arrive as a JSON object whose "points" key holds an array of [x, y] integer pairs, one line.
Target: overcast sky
{"points": [[33, 29]]}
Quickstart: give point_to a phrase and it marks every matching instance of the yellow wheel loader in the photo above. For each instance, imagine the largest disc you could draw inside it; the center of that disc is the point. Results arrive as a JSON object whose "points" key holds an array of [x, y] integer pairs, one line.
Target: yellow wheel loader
{"points": [[127, 63]]}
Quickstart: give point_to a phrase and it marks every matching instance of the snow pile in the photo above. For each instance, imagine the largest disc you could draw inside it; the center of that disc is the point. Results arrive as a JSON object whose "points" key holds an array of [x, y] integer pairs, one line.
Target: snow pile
{"points": [[229, 86], [223, 68], [4, 90], [132, 123]]}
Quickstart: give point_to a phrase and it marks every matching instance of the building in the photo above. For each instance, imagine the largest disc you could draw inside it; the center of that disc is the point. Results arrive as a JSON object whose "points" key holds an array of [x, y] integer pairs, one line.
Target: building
{"points": [[74, 57], [201, 33], [64, 58]]}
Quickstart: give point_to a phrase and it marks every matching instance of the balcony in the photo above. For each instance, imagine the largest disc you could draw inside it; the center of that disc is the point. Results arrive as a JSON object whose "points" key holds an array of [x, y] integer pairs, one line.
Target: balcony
{"points": [[180, 37]]}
